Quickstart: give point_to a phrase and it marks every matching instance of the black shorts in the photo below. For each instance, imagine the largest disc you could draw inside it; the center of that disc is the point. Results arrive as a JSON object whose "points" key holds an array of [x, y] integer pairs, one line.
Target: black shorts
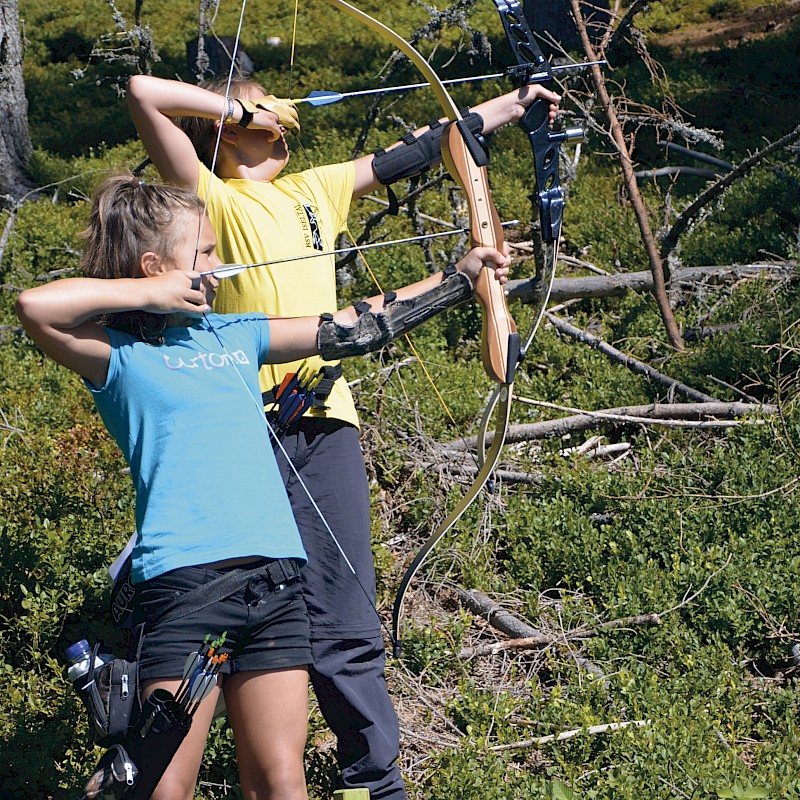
{"points": [[266, 624]]}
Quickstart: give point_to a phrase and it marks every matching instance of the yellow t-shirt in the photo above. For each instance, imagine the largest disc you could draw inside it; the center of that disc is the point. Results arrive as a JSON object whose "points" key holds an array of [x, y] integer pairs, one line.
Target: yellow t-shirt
{"points": [[295, 215]]}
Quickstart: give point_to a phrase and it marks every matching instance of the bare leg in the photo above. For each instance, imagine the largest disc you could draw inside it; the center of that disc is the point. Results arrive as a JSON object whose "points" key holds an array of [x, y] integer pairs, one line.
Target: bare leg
{"points": [[179, 780], [269, 714]]}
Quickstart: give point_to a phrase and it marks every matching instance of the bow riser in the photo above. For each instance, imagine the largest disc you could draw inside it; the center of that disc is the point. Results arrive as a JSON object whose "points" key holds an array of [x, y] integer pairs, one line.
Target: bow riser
{"points": [[545, 145], [549, 196], [499, 338], [520, 37]]}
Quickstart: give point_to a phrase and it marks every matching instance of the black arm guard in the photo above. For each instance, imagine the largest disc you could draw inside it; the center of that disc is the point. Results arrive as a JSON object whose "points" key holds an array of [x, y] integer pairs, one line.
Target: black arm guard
{"points": [[373, 331], [416, 154]]}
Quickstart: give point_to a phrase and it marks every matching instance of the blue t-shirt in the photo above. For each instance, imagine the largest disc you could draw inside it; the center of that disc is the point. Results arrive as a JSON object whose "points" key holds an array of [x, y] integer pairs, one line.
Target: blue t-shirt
{"points": [[188, 418]]}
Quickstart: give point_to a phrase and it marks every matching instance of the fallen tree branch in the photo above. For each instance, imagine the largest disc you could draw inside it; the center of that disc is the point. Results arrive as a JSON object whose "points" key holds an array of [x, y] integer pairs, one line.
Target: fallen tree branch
{"points": [[470, 470], [629, 361], [698, 172], [500, 619], [620, 283], [548, 640], [683, 415], [528, 643], [560, 737], [666, 415], [596, 449], [705, 158]]}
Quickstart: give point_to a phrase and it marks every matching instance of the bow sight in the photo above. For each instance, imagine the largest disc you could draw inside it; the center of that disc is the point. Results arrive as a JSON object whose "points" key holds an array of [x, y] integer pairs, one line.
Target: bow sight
{"points": [[533, 67]]}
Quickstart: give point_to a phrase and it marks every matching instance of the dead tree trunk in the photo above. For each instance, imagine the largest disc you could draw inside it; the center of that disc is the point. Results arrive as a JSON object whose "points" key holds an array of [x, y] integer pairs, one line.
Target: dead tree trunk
{"points": [[15, 141], [637, 201]]}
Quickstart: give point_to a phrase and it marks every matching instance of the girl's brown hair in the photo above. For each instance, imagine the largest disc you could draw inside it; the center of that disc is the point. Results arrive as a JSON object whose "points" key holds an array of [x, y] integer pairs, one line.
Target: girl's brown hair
{"points": [[128, 219], [202, 132]]}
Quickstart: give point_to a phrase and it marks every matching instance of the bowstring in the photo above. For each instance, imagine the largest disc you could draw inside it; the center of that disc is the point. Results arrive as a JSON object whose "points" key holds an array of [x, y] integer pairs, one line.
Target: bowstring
{"points": [[345, 226], [259, 406], [294, 43]]}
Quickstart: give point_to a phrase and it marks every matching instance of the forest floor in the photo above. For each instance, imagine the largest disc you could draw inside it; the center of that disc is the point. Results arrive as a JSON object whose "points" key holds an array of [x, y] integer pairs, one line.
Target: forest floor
{"points": [[729, 31]]}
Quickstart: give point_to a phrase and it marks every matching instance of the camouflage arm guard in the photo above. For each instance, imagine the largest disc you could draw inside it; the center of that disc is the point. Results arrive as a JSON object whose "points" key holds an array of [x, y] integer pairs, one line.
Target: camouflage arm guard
{"points": [[375, 330]]}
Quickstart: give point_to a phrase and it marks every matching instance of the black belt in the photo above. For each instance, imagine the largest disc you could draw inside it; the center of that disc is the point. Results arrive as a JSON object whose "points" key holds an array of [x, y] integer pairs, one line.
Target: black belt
{"points": [[282, 571], [279, 572]]}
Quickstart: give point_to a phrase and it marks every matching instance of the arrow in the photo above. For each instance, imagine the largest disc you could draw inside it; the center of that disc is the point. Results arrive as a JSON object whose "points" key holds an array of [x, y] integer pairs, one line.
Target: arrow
{"points": [[298, 402], [323, 97], [229, 270], [196, 664]]}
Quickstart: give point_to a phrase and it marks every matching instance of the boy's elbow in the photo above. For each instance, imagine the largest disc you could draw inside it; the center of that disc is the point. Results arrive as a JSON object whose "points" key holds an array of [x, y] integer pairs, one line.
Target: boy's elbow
{"points": [[26, 307], [137, 87]]}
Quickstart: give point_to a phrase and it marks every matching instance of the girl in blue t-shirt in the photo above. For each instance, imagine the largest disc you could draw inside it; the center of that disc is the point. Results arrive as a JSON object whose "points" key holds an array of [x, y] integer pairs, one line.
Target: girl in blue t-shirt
{"points": [[177, 388]]}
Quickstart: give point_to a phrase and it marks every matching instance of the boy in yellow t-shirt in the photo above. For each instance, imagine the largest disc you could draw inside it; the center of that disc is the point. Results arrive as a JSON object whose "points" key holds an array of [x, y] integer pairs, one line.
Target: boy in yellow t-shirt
{"points": [[303, 214], [259, 216]]}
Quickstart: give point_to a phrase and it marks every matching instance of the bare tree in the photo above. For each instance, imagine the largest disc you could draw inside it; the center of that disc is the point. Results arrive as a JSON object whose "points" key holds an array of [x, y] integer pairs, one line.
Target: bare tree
{"points": [[132, 46], [15, 140], [623, 148]]}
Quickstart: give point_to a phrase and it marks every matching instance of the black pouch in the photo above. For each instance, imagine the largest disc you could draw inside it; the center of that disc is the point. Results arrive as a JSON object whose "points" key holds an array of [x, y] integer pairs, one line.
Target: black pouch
{"points": [[111, 695], [115, 775]]}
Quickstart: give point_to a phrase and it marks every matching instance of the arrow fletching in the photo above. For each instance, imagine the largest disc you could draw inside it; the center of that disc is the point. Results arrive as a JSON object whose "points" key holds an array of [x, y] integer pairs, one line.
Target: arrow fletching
{"points": [[226, 271], [321, 97]]}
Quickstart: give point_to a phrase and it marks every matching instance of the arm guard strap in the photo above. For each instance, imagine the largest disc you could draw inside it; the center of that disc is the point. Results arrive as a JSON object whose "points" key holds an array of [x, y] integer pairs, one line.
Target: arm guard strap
{"points": [[416, 153], [375, 330]]}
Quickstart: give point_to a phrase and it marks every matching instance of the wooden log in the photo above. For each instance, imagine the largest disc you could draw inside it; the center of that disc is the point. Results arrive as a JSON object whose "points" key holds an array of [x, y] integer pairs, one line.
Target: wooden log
{"points": [[525, 290], [700, 415]]}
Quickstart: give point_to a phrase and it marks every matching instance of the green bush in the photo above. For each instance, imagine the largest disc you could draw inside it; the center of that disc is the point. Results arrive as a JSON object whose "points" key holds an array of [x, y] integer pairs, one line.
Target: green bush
{"points": [[696, 526]]}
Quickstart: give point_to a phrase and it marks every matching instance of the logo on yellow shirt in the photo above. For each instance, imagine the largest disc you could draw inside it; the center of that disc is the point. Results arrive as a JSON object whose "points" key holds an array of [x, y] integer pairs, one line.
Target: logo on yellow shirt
{"points": [[307, 217]]}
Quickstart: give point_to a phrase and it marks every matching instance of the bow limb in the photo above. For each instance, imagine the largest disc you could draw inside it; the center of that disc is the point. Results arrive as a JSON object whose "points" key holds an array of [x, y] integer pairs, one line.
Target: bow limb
{"points": [[501, 425], [465, 159], [442, 95]]}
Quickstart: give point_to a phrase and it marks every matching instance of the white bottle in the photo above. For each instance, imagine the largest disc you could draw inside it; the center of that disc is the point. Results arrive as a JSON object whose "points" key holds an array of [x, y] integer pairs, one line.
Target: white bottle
{"points": [[79, 656]]}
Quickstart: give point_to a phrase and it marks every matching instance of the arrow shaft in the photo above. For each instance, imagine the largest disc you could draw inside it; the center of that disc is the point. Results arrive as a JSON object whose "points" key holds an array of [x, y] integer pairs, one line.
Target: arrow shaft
{"points": [[326, 98], [335, 97], [229, 270]]}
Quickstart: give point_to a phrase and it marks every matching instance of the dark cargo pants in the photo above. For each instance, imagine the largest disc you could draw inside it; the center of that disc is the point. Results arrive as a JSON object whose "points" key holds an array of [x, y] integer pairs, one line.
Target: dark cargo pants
{"points": [[346, 642]]}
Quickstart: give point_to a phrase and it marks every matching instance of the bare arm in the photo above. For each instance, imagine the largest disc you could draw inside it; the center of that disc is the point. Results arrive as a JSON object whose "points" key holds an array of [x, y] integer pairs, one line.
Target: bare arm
{"points": [[470, 265], [154, 104], [58, 315], [510, 107], [496, 113]]}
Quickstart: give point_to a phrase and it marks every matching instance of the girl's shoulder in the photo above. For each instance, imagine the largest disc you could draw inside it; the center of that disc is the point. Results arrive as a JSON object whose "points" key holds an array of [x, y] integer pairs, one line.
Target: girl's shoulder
{"points": [[249, 325]]}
